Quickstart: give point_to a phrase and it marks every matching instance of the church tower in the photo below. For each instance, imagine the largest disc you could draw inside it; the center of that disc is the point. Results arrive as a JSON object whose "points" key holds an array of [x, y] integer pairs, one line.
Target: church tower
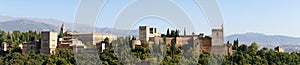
{"points": [[144, 33], [63, 28]]}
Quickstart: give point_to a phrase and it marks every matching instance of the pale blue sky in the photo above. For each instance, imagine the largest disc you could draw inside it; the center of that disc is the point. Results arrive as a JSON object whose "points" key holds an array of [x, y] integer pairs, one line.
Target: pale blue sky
{"points": [[240, 16]]}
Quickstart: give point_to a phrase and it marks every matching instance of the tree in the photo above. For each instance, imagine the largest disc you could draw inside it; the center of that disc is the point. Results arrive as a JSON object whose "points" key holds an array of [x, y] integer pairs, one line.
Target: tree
{"points": [[176, 33], [145, 44], [106, 40], [61, 34], [253, 48], [204, 58], [168, 33], [142, 52], [235, 44], [243, 48], [172, 54], [173, 34], [133, 38], [108, 57], [3, 36]]}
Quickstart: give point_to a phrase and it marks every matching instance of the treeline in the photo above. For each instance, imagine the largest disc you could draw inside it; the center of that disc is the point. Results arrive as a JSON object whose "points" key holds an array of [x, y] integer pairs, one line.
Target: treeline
{"points": [[63, 57], [146, 53], [250, 55], [14, 55], [17, 37]]}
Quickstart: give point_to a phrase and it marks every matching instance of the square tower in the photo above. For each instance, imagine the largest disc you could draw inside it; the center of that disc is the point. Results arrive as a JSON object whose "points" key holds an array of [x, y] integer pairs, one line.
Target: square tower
{"points": [[144, 32], [48, 42], [217, 37]]}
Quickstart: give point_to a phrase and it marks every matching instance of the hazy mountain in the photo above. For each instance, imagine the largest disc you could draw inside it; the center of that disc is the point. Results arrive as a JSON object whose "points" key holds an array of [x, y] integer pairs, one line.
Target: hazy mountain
{"points": [[264, 39], [7, 18], [53, 22], [118, 32], [291, 44], [25, 25]]}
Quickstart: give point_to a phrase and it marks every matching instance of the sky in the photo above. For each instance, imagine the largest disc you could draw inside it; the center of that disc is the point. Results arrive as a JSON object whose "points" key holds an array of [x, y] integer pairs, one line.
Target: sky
{"points": [[276, 17]]}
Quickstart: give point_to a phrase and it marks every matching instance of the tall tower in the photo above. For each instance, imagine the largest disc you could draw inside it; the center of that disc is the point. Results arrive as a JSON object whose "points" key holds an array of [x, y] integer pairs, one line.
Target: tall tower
{"points": [[63, 29], [48, 42], [144, 33], [218, 36]]}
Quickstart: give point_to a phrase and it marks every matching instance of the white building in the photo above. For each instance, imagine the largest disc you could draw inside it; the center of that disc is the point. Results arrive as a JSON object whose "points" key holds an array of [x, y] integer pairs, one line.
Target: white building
{"points": [[48, 42]]}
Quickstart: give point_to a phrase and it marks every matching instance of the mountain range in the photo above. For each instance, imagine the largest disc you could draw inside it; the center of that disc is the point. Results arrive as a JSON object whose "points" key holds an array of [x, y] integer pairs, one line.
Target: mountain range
{"points": [[8, 23], [264, 39], [25, 24], [291, 44]]}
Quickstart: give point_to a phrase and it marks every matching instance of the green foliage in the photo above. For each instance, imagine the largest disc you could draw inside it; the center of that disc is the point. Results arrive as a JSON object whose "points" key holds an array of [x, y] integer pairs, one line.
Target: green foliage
{"points": [[251, 55], [207, 37], [204, 58], [174, 33], [245, 55], [142, 52], [61, 34], [63, 57], [17, 37], [168, 33], [133, 38], [108, 57], [106, 40], [252, 49], [173, 54], [235, 44], [242, 48]]}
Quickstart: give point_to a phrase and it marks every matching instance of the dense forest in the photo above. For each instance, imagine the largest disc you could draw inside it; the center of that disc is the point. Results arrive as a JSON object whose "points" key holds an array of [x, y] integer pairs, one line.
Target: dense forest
{"points": [[146, 53]]}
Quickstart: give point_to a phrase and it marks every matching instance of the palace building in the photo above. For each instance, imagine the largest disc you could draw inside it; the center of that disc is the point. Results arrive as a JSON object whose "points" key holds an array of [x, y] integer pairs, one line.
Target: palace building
{"points": [[214, 44], [51, 40]]}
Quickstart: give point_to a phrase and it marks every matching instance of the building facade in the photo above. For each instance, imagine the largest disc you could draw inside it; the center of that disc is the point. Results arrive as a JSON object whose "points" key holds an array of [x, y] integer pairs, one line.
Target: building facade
{"points": [[92, 38], [145, 33], [31, 46], [4, 46], [214, 44], [48, 42], [217, 37], [279, 49]]}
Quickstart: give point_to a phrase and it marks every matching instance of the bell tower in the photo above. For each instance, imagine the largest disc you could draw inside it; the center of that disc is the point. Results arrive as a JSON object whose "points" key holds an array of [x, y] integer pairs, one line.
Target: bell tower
{"points": [[63, 28]]}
